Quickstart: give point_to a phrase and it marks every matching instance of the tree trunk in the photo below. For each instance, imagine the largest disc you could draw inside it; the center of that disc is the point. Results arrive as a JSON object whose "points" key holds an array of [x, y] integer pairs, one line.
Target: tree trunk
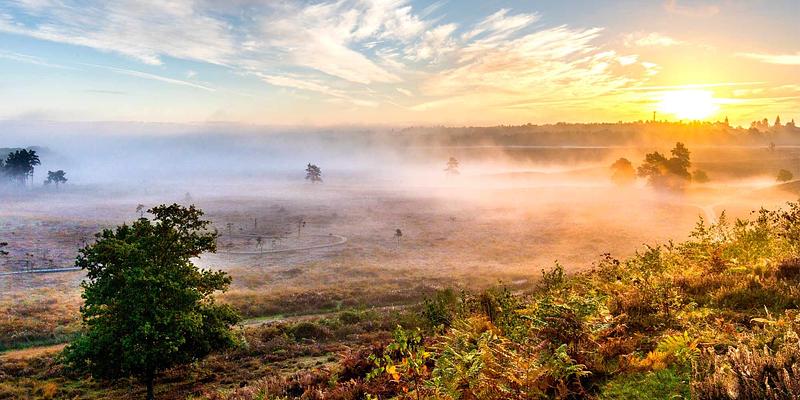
{"points": [[150, 393]]}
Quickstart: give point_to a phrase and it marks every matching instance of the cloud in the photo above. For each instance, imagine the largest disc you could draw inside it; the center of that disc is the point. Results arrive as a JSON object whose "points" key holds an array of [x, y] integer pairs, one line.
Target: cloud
{"points": [[651, 39], [324, 36], [434, 44], [354, 52], [28, 59], [500, 25], [701, 10], [304, 84], [141, 30], [555, 65], [152, 77], [781, 59]]}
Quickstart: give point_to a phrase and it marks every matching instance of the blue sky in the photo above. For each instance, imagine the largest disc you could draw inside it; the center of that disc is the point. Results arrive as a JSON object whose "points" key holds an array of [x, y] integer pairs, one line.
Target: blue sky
{"points": [[394, 61]]}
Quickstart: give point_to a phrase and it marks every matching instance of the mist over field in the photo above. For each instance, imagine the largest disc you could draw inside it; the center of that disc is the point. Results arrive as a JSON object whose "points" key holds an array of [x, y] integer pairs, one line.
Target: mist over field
{"points": [[399, 200]]}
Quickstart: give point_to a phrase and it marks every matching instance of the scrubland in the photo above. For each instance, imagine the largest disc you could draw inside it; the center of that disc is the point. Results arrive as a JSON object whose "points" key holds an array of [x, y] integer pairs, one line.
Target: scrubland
{"points": [[528, 282]]}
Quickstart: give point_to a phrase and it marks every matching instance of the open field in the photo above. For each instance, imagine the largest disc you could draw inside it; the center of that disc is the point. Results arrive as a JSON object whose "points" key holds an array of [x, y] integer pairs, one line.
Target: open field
{"points": [[325, 249]]}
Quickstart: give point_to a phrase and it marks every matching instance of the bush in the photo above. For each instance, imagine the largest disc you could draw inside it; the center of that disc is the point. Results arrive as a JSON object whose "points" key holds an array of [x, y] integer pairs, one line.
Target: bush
{"points": [[788, 269], [310, 330], [440, 310], [745, 373]]}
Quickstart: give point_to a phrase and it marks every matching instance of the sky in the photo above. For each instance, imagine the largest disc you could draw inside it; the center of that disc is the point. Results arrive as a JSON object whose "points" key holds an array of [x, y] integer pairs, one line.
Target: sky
{"points": [[399, 62]]}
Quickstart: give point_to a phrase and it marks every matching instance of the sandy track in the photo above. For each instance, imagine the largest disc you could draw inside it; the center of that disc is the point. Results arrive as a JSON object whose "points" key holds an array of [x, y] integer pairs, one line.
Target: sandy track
{"points": [[339, 241]]}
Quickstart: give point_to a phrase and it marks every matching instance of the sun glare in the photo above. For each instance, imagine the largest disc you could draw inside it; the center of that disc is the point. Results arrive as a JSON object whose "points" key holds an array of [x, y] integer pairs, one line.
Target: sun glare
{"points": [[688, 104]]}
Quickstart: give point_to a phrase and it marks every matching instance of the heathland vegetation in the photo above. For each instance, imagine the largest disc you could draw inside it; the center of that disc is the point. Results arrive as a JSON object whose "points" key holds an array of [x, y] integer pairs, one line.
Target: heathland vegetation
{"points": [[713, 317]]}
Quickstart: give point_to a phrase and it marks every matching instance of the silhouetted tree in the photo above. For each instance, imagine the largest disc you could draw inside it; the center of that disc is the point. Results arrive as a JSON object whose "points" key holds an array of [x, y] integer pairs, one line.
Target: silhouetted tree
{"points": [[56, 177], [623, 172], [140, 210], [19, 165], [670, 173], [784, 176], [147, 307], [313, 173], [3, 252], [398, 234], [777, 122], [452, 166], [700, 176]]}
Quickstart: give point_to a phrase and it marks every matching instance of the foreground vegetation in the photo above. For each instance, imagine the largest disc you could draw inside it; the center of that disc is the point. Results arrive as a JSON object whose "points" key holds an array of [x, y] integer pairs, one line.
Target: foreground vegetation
{"points": [[715, 317]]}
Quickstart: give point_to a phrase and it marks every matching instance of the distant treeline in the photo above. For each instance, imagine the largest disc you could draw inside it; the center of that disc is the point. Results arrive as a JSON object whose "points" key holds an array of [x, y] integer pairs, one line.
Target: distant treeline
{"points": [[603, 134]]}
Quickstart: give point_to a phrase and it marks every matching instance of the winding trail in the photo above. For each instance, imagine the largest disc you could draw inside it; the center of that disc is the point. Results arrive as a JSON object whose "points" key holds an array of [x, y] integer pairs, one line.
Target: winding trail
{"points": [[41, 271], [339, 241]]}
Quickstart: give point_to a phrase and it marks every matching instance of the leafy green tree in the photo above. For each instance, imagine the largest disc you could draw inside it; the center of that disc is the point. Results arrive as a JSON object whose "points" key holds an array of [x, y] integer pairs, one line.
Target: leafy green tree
{"points": [[623, 172], [313, 173], [784, 176], [669, 173], [56, 177], [19, 165], [147, 307]]}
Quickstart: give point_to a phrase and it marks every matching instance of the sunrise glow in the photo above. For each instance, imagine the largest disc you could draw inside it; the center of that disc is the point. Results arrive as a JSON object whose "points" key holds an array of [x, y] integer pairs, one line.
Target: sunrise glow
{"points": [[688, 104]]}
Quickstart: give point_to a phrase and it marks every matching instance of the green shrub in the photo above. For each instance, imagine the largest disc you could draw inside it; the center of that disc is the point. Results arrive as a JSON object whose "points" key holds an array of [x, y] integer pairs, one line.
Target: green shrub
{"points": [[658, 385], [310, 330]]}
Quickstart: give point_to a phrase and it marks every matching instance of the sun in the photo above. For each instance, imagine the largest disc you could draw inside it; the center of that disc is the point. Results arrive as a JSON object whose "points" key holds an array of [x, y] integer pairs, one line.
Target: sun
{"points": [[688, 104]]}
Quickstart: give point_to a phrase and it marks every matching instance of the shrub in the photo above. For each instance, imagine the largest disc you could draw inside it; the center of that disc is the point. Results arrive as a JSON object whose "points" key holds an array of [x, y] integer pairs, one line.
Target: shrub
{"points": [[440, 310], [745, 373], [788, 269], [350, 317], [310, 330]]}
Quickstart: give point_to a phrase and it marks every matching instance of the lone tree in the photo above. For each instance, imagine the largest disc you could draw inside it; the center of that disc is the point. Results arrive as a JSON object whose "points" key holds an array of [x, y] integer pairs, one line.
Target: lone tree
{"points": [[3, 252], [452, 167], [147, 307], [20, 164], [623, 172], [313, 173], [700, 176], [140, 210], [669, 173], [398, 234], [56, 177], [784, 176]]}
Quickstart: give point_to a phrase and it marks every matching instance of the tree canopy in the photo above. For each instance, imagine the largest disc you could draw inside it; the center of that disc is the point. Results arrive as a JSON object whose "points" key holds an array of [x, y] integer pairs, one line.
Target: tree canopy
{"points": [[56, 177], [19, 165], [663, 172], [623, 172], [313, 173], [147, 307], [452, 166], [784, 176]]}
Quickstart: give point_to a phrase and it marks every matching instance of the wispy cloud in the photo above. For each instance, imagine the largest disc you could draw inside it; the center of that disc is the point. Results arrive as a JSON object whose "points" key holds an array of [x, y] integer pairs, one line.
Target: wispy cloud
{"points": [[694, 10], [358, 52], [781, 59], [153, 77], [650, 39], [28, 59], [143, 30]]}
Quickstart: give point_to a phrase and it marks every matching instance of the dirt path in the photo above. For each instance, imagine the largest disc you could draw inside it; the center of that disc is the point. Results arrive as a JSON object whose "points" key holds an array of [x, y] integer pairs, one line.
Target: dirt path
{"points": [[40, 271], [339, 240]]}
